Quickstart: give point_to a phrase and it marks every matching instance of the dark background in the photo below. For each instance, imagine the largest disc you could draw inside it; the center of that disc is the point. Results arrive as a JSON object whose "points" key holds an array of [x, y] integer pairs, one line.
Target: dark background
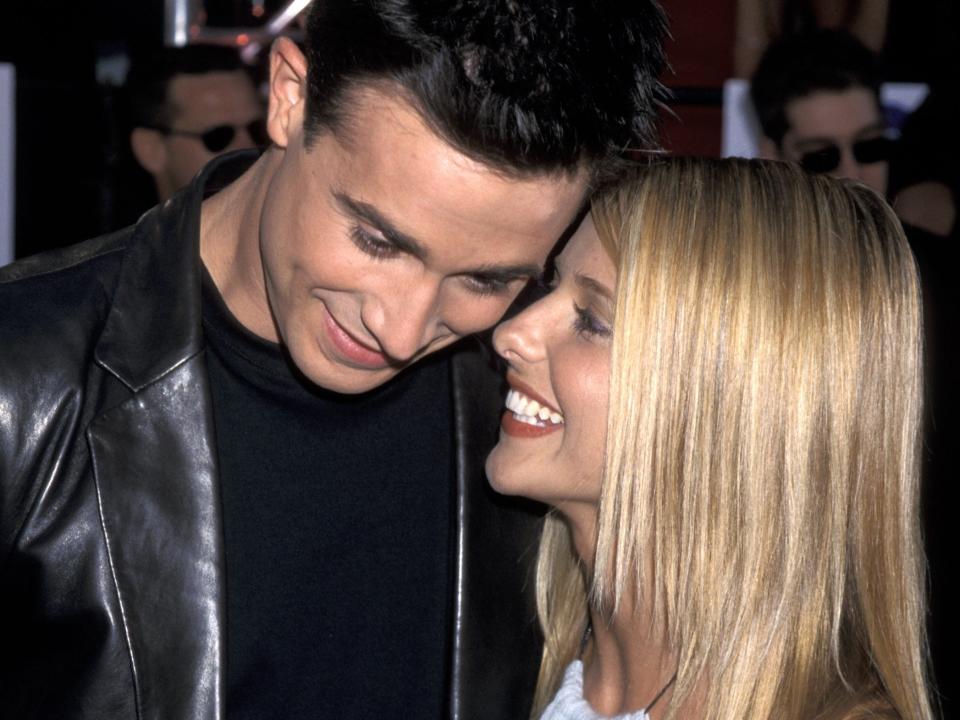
{"points": [[73, 180]]}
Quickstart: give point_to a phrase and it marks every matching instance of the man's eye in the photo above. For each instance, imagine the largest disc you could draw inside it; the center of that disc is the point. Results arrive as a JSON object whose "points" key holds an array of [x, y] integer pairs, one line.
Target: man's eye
{"points": [[373, 246], [481, 285]]}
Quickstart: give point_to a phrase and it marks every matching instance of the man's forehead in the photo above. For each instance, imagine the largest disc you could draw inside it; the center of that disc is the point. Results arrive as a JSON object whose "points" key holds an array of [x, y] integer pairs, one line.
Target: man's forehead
{"points": [[844, 110], [395, 162], [383, 113], [219, 89]]}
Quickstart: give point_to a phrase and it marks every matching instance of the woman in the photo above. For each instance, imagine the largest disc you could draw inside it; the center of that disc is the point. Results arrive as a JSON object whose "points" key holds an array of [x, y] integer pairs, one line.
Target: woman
{"points": [[720, 398]]}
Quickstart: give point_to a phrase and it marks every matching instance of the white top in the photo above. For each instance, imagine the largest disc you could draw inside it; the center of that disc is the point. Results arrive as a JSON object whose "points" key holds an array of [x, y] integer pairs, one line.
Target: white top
{"points": [[569, 703]]}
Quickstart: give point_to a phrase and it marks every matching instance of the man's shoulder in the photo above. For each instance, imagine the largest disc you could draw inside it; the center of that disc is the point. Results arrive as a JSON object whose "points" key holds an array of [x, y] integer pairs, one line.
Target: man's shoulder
{"points": [[90, 255], [50, 294]]}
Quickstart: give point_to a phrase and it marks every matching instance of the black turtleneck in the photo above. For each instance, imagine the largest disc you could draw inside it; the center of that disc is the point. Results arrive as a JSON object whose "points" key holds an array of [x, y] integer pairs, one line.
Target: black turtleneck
{"points": [[337, 534]]}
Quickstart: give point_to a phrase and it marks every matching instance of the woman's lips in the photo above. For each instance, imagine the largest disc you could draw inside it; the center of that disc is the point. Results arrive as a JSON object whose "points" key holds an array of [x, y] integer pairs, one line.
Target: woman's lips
{"points": [[528, 415], [350, 348]]}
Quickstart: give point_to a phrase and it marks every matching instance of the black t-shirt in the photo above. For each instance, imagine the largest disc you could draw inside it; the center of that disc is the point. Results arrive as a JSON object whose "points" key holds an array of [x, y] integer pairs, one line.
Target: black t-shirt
{"points": [[337, 533]]}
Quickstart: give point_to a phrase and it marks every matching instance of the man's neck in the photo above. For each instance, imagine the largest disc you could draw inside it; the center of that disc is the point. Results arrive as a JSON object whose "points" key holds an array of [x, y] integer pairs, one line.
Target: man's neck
{"points": [[230, 246]]}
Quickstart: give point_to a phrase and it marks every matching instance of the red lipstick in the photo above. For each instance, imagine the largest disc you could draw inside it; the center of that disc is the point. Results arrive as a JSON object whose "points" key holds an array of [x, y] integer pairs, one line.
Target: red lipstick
{"points": [[519, 429]]}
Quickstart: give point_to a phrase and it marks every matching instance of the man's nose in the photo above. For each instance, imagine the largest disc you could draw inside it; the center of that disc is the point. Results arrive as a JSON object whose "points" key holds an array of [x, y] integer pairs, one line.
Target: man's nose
{"points": [[404, 319], [849, 167]]}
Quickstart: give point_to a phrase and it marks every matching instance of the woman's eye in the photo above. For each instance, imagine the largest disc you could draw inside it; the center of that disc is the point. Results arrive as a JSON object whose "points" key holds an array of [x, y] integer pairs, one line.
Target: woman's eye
{"points": [[589, 325], [373, 246]]}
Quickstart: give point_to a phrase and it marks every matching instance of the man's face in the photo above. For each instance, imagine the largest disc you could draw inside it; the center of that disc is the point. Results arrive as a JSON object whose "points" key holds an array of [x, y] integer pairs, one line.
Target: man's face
{"points": [[382, 243], [827, 119], [199, 103]]}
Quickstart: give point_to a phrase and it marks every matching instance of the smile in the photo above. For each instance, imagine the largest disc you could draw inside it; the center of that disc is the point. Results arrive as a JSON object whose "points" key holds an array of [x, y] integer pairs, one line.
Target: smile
{"points": [[528, 415], [351, 349], [530, 411]]}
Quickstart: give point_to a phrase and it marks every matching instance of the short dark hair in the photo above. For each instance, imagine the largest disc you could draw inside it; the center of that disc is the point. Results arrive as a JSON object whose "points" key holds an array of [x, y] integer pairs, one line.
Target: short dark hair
{"points": [[799, 65], [151, 72], [523, 86]]}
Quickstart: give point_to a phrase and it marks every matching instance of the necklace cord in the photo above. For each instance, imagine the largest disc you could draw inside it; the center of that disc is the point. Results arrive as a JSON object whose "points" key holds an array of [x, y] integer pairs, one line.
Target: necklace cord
{"points": [[659, 695]]}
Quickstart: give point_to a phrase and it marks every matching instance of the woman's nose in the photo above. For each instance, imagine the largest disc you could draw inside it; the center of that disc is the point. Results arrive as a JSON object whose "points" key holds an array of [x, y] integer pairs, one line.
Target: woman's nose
{"points": [[521, 338]]}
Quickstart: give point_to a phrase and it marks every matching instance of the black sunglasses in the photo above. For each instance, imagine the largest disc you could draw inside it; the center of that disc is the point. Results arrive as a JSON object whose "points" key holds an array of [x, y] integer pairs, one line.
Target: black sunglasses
{"points": [[827, 159], [217, 138]]}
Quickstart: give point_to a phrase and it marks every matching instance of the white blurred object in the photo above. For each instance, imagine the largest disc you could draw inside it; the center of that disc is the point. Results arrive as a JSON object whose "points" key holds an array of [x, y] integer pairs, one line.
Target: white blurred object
{"points": [[184, 24], [741, 131], [7, 160]]}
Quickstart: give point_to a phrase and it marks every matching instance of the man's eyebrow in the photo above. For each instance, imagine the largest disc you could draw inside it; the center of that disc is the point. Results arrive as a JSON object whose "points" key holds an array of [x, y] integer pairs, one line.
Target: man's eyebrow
{"points": [[406, 243], [506, 273], [370, 214], [590, 285]]}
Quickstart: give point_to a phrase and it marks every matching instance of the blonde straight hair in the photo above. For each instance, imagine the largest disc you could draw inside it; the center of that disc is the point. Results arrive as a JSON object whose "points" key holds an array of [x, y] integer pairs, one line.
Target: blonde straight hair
{"points": [[761, 470]]}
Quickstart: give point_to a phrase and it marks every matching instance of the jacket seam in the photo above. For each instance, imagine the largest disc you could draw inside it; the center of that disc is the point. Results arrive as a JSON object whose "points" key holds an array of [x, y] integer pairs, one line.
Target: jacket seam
{"points": [[63, 268], [116, 584]]}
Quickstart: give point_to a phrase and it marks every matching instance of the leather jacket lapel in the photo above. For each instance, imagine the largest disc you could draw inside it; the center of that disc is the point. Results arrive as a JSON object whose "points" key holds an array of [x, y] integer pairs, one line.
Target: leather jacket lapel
{"points": [[154, 321], [155, 475], [496, 644], [155, 469]]}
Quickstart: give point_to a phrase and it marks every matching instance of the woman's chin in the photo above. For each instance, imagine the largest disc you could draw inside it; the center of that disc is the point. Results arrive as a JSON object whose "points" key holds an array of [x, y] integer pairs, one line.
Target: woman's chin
{"points": [[499, 473]]}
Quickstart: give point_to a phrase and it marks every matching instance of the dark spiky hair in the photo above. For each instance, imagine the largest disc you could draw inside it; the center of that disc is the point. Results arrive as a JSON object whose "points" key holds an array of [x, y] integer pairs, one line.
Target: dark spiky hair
{"points": [[523, 86]]}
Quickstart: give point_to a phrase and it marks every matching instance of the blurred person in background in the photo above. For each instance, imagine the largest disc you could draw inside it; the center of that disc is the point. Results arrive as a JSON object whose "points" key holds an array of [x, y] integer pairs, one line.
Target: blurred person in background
{"points": [[926, 167], [817, 98], [187, 105]]}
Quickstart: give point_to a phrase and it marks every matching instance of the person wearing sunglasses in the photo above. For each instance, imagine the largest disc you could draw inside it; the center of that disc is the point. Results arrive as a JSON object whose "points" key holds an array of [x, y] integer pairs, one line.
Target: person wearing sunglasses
{"points": [[817, 98], [188, 105]]}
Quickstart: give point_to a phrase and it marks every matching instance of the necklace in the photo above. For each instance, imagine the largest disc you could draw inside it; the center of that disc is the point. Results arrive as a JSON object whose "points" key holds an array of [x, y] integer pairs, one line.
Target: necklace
{"points": [[656, 698]]}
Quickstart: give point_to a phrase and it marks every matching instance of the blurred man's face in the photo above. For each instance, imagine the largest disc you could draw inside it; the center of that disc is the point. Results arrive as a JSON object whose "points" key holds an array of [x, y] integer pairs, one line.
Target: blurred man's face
{"points": [[841, 133], [201, 103]]}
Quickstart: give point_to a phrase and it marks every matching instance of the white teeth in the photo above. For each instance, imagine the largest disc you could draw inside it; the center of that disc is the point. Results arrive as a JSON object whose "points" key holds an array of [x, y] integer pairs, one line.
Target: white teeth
{"points": [[530, 411]]}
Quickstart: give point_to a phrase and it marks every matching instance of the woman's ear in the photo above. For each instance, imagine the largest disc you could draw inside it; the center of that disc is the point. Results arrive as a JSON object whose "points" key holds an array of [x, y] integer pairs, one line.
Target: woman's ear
{"points": [[287, 92]]}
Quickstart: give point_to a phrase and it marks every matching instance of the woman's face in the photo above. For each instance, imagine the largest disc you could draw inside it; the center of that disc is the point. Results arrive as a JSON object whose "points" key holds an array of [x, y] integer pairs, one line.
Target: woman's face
{"points": [[558, 353]]}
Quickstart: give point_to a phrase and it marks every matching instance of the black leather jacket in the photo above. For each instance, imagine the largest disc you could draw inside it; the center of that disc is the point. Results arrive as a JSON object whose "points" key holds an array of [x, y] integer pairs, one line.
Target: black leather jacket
{"points": [[111, 543]]}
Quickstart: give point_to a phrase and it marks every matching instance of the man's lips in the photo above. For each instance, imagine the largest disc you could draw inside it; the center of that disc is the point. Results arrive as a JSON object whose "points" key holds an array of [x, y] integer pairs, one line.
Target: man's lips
{"points": [[349, 347]]}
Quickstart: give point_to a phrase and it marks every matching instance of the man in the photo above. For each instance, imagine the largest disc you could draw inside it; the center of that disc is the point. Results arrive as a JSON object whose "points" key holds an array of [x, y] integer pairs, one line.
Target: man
{"points": [[188, 105], [817, 97], [226, 488]]}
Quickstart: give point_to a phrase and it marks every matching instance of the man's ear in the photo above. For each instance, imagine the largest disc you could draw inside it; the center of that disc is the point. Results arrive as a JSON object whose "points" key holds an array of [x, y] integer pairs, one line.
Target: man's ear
{"points": [[149, 149], [288, 91], [769, 150]]}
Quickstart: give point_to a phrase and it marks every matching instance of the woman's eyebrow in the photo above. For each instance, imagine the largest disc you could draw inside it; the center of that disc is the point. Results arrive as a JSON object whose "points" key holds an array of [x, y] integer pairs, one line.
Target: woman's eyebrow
{"points": [[590, 285]]}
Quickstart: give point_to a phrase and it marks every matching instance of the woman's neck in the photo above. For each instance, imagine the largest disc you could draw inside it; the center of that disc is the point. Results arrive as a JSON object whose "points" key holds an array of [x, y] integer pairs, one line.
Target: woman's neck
{"points": [[626, 664], [627, 661]]}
